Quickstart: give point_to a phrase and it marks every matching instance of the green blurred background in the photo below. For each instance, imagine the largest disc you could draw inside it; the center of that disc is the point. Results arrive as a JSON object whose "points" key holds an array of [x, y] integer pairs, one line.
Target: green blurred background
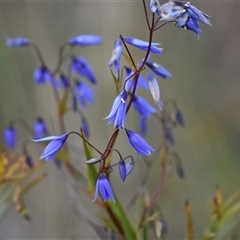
{"points": [[205, 81]]}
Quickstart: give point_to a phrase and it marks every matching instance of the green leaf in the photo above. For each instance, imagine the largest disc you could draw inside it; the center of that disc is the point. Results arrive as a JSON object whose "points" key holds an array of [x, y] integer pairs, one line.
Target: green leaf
{"points": [[145, 232], [62, 106], [151, 218], [122, 219], [229, 202], [128, 59], [109, 223], [116, 82], [92, 174]]}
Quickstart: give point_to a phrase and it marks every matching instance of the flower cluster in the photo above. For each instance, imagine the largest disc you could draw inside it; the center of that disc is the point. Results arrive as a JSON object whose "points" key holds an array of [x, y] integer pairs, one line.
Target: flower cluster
{"points": [[182, 13], [74, 86]]}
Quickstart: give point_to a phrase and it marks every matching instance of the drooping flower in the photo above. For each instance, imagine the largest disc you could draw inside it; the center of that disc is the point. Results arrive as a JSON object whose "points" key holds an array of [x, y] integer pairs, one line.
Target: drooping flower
{"points": [[84, 94], [144, 109], [53, 147], [194, 13], [143, 45], [159, 70], [10, 137], [179, 118], [40, 128], [103, 186], [118, 111], [115, 60], [192, 26], [17, 42], [41, 75], [85, 40], [122, 169], [138, 143], [184, 14], [83, 68]]}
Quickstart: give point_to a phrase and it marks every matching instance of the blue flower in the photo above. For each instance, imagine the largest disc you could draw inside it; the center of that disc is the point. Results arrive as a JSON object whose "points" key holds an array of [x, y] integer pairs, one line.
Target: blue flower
{"points": [[179, 118], [185, 15], [84, 94], [159, 70], [85, 40], [138, 143], [192, 26], [53, 147], [83, 68], [103, 186], [118, 111], [143, 107], [10, 137], [116, 56], [130, 83], [144, 45], [122, 170], [17, 42], [41, 75], [196, 14], [40, 128], [145, 110]]}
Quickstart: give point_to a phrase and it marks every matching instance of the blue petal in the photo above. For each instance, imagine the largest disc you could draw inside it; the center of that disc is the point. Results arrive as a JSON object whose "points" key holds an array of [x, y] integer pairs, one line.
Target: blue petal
{"points": [[83, 68], [122, 170], [159, 70], [116, 56], [10, 137], [118, 111], [144, 45], [40, 128], [41, 75], [50, 138], [53, 147], [103, 186], [138, 143], [143, 107], [17, 42], [84, 93], [85, 40]]}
